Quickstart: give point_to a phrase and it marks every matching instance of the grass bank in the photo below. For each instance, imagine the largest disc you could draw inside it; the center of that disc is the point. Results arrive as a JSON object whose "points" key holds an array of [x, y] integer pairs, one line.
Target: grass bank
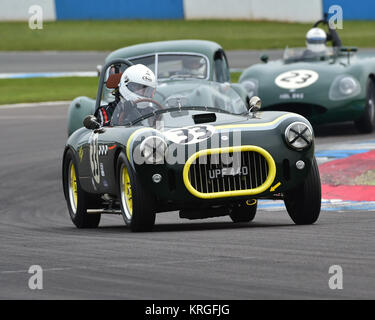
{"points": [[52, 89], [110, 35]]}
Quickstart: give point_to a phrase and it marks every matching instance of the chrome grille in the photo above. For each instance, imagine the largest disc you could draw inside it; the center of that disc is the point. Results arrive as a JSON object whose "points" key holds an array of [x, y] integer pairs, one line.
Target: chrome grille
{"points": [[214, 173]]}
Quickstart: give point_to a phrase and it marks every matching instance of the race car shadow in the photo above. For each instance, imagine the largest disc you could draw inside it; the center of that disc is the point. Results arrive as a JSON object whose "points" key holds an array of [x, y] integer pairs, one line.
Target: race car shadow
{"points": [[171, 227], [214, 226]]}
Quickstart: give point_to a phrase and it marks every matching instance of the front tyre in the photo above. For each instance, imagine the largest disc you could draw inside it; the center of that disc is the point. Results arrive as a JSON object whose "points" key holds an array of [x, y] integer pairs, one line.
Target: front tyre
{"points": [[366, 124], [137, 205], [244, 212], [77, 199], [303, 202]]}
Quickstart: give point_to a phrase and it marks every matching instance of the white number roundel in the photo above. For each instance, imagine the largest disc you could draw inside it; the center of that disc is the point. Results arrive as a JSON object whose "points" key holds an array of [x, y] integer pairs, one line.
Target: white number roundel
{"points": [[296, 79], [190, 135]]}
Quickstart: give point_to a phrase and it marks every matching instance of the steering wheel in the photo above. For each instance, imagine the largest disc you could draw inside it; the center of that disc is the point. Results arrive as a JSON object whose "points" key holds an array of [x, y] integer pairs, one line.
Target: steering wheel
{"points": [[160, 107]]}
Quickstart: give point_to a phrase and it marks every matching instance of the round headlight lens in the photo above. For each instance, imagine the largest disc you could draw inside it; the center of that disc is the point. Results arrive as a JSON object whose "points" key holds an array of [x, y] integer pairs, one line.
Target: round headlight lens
{"points": [[298, 135], [153, 149], [347, 85], [344, 87]]}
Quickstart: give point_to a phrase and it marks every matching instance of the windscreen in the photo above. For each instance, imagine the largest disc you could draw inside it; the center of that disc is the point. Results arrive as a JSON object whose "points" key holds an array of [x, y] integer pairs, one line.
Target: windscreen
{"points": [[303, 54], [171, 66]]}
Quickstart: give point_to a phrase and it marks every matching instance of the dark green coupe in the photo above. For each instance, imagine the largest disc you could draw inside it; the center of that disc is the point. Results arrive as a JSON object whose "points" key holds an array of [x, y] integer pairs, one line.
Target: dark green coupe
{"points": [[333, 86], [203, 150]]}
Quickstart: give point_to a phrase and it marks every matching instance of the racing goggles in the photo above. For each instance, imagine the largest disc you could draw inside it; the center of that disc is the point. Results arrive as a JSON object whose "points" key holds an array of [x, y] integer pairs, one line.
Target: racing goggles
{"points": [[316, 40], [141, 89]]}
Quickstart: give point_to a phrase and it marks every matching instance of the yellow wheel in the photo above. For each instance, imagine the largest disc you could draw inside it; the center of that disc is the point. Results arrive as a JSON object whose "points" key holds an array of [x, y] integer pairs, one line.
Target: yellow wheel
{"points": [[73, 190], [137, 203], [126, 192], [77, 199]]}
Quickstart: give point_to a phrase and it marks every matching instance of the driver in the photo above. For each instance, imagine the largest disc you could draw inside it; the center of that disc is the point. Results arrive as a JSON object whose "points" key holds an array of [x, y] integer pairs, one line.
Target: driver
{"points": [[137, 82], [316, 40], [195, 66]]}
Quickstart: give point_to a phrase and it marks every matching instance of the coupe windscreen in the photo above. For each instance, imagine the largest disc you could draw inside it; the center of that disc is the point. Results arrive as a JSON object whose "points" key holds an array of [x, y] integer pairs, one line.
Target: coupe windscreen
{"points": [[171, 66], [181, 66]]}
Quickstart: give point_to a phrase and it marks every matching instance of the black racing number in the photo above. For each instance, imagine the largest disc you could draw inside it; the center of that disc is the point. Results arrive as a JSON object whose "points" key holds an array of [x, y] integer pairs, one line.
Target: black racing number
{"points": [[287, 79], [185, 135], [297, 77], [304, 78]]}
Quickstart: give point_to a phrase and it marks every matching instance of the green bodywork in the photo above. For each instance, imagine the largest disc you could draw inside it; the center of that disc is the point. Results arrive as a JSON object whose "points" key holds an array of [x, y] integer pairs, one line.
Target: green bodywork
{"points": [[266, 130], [96, 151], [314, 101]]}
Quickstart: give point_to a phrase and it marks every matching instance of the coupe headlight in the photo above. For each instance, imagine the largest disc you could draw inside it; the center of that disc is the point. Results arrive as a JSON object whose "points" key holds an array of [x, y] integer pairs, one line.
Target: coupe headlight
{"points": [[251, 86], [343, 87], [298, 135]]}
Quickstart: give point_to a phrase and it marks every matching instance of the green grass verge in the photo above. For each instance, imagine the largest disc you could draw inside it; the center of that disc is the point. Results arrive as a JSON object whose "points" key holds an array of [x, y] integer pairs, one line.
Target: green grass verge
{"points": [[53, 89], [110, 35], [46, 89], [234, 76]]}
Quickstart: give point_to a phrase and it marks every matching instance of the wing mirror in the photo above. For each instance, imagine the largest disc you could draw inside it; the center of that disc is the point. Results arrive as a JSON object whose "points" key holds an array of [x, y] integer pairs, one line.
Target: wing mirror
{"points": [[91, 122], [255, 104], [99, 68], [264, 58]]}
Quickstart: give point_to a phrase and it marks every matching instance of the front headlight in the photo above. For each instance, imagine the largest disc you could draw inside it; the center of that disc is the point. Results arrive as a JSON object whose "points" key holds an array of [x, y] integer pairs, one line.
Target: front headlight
{"points": [[251, 86], [153, 149], [343, 87], [298, 135]]}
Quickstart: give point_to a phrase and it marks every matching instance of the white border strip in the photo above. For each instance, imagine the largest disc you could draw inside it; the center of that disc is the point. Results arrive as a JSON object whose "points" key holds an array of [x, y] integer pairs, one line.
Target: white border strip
{"points": [[18, 10], [48, 75], [35, 104]]}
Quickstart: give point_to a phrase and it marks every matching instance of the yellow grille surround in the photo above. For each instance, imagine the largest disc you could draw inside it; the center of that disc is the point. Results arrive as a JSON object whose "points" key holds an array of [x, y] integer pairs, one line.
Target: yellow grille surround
{"points": [[233, 193]]}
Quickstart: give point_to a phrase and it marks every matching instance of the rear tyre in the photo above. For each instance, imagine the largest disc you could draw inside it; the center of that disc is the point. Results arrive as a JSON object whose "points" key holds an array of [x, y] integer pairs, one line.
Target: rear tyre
{"points": [[303, 202], [77, 199], [366, 124], [137, 205], [243, 212]]}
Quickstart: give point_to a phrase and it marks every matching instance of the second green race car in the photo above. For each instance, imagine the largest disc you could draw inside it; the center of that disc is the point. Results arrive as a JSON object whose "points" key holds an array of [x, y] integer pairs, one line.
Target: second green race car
{"points": [[324, 84]]}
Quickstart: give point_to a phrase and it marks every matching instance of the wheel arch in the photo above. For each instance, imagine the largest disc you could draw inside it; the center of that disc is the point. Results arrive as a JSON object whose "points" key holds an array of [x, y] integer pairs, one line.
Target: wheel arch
{"points": [[68, 148], [115, 159]]}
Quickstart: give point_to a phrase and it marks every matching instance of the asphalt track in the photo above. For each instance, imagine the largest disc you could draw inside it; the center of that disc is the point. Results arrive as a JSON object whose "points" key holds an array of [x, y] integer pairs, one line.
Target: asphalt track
{"points": [[69, 61], [65, 61], [270, 258]]}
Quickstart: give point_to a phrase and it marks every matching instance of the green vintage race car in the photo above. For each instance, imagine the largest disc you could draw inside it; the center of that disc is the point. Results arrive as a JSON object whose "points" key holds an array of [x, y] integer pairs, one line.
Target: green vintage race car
{"points": [[338, 85], [204, 149], [203, 160]]}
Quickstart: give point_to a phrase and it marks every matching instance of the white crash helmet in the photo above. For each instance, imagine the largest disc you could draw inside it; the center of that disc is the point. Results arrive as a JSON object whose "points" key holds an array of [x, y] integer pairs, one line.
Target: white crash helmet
{"points": [[316, 40], [137, 82]]}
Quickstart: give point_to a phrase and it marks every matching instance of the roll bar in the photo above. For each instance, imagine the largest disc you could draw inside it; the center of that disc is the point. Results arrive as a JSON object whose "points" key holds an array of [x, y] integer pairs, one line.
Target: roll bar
{"points": [[102, 75]]}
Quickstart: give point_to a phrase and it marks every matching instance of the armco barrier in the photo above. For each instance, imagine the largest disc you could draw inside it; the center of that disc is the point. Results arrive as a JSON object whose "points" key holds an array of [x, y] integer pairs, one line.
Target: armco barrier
{"points": [[18, 10], [353, 10], [282, 10], [285, 10], [118, 9]]}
